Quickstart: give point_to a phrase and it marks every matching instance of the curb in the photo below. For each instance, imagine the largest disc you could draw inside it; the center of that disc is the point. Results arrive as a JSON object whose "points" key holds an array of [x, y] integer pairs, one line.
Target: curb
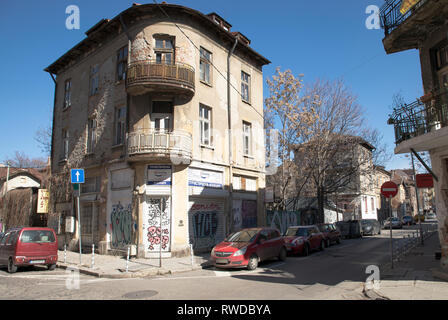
{"points": [[439, 273], [137, 274]]}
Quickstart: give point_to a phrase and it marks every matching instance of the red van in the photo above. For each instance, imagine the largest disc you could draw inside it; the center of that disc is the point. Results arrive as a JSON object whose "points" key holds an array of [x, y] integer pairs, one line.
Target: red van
{"points": [[28, 246]]}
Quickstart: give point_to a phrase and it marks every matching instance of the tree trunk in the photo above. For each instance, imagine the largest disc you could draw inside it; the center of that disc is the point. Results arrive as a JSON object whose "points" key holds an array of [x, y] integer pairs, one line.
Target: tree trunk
{"points": [[320, 204]]}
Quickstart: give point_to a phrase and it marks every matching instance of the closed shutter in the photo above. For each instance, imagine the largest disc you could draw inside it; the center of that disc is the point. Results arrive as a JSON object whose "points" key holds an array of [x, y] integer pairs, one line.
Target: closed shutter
{"points": [[206, 222]]}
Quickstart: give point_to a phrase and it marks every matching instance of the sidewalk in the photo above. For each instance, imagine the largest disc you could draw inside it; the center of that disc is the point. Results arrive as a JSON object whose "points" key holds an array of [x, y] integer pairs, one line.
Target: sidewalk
{"points": [[108, 266], [417, 276]]}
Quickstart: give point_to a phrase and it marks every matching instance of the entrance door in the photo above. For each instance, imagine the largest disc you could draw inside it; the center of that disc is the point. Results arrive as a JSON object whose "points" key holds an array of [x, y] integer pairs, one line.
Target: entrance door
{"points": [[157, 211]]}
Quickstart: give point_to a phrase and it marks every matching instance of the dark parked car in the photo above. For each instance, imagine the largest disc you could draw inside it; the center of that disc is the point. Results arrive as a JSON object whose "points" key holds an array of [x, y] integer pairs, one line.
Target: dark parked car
{"points": [[408, 220], [370, 227], [247, 247], [304, 239], [28, 246], [396, 223], [330, 232], [350, 228]]}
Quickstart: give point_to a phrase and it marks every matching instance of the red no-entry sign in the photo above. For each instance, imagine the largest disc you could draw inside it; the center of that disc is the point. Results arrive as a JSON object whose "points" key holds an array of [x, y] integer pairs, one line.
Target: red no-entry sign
{"points": [[389, 189]]}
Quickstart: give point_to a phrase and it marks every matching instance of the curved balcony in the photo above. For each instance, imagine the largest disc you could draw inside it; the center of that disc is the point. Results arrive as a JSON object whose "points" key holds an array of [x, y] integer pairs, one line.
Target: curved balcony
{"points": [[148, 75], [160, 145]]}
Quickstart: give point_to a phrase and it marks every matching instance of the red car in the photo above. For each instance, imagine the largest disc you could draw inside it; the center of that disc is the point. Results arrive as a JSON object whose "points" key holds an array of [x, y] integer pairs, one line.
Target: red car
{"points": [[330, 232], [304, 239], [28, 246], [246, 248]]}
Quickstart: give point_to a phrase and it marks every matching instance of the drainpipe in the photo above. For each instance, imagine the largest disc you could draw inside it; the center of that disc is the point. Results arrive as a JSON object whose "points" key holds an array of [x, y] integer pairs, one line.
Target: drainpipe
{"points": [[229, 123]]}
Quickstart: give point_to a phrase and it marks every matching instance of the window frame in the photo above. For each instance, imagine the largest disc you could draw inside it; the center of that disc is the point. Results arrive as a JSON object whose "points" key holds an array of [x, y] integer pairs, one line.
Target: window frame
{"points": [[163, 51], [94, 80], [247, 151], [202, 122], [203, 61], [92, 126], [122, 121], [67, 94], [122, 59], [245, 83], [65, 144]]}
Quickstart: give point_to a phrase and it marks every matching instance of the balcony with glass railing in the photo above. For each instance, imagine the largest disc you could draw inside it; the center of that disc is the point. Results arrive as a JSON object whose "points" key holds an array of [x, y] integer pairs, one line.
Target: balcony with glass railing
{"points": [[150, 75], [163, 145], [425, 115]]}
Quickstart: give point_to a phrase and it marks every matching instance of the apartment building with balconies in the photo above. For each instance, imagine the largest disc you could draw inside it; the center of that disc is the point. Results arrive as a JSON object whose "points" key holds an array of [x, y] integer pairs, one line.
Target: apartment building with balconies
{"points": [[163, 108], [422, 125]]}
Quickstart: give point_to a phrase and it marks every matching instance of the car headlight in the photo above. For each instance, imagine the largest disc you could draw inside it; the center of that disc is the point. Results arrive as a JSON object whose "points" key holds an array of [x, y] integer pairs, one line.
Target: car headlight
{"points": [[240, 252], [213, 251], [297, 241]]}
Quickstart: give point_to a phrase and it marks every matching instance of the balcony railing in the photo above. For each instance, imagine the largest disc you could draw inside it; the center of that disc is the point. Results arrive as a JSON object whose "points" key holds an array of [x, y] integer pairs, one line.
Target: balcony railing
{"points": [[421, 116], [152, 75], [160, 144], [391, 17]]}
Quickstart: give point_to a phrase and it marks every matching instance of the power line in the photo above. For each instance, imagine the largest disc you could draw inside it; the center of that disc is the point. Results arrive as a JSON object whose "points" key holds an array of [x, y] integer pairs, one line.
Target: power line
{"points": [[199, 50]]}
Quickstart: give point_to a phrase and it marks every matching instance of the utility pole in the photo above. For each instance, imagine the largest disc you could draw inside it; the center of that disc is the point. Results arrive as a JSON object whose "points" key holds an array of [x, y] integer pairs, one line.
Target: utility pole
{"points": [[418, 203]]}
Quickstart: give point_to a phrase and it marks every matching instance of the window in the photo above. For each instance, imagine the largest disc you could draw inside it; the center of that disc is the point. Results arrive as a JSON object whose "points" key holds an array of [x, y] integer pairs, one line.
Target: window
{"points": [[442, 57], [164, 51], [91, 185], [204, 66], [67, 93], [245, 86], [120, 125], [205, 115], [122, 63], [91, 135], [64, 154], [94, 78], [247, 138], [372, 201]]}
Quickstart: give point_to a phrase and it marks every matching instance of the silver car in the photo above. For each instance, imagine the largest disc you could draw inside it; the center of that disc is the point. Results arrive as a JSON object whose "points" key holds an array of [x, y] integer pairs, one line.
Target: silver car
{"points": [[396, 223]]}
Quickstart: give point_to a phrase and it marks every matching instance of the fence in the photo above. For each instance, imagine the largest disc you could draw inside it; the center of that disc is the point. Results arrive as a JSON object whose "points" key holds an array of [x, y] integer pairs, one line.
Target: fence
{"points": [[407, 243]]}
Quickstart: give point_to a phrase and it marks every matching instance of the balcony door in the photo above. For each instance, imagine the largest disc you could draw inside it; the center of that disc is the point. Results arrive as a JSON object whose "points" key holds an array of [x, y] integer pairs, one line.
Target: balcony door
{"points": [[162, 116]]}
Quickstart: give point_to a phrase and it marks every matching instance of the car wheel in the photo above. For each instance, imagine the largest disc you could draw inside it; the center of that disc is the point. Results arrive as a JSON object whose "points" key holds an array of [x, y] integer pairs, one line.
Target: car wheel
{"points": [[282, 255], [306, 250], [253, 262], [11, 266], [51, 266]]}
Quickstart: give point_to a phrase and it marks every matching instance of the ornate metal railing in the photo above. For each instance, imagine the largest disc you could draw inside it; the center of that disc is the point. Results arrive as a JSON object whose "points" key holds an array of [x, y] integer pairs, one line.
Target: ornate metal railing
{"points": [[391, 17], [149, 71], [427, 114], [160, 143]]}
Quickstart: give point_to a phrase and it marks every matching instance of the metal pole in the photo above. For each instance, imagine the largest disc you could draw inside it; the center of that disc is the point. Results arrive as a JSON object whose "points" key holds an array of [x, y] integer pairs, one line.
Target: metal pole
{"points": [[191, 255], [160, 236], [79, 225], [418, 203], [65, 253], [390, 228], [93, 256], [127, 261]]}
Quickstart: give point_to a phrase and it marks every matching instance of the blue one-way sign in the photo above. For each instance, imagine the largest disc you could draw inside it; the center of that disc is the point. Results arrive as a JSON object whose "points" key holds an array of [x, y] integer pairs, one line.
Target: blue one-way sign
{"points": [[77, 175]]}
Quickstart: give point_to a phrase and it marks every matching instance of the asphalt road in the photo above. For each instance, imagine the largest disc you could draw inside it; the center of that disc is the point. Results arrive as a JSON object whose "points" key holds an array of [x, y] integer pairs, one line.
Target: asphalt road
{"points": [[338, 272]]}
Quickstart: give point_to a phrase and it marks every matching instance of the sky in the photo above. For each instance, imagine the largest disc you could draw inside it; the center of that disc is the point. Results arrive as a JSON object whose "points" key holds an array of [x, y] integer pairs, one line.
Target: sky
{"points": [[321, 39]]}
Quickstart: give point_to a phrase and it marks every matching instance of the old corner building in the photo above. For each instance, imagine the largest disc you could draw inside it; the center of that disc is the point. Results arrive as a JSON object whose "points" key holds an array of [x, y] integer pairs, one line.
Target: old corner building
{"points": [[142, 104]]}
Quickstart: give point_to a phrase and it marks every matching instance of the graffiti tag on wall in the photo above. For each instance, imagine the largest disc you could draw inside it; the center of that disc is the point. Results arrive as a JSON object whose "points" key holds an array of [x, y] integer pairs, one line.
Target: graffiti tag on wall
{"points": [[158, 235], [283, 219], [121, 225], [205, 222]]}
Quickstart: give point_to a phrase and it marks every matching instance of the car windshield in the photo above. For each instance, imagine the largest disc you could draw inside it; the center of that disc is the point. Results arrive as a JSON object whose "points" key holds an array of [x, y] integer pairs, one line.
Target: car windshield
{"points": [[37, 236], [299, 232], [243, 236]]}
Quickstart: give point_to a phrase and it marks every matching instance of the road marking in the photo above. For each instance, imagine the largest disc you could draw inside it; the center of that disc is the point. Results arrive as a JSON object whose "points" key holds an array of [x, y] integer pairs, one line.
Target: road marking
{"points": [[222, 273]]}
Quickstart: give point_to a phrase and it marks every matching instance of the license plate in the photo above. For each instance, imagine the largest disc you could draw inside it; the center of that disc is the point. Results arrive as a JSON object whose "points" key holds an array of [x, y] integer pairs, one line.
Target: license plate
{"points": [[37, 261], [221, 261]]}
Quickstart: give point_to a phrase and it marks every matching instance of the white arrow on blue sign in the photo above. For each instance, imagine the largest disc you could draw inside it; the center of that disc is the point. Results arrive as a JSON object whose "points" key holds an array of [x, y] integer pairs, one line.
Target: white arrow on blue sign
{"points": [[77, 175]]}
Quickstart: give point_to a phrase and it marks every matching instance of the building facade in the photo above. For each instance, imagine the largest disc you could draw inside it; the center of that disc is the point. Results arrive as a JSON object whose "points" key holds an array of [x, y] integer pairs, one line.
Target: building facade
{"points": [[163, 108], [423, 124]]}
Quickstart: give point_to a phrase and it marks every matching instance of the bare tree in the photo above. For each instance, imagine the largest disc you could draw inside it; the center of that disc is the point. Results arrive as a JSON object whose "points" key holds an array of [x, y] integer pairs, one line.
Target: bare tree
{"points": [[284, 111], [21, 160], [43, 138]]}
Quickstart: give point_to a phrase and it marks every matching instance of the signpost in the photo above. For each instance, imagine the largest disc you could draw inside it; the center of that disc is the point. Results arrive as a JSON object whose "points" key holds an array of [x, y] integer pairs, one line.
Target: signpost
{"points": [[389, 189], [77, 177]]}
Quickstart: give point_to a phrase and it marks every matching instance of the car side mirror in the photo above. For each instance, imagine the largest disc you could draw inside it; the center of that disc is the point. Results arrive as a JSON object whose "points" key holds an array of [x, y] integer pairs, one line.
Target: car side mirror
{"points": [[261, 241]]}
